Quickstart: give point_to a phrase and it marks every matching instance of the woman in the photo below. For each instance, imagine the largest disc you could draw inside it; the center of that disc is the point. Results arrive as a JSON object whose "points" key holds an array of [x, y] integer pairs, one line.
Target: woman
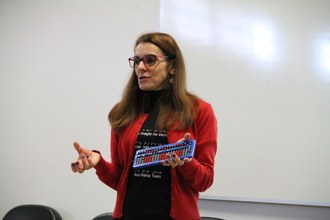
{"points": [[156, 109]]}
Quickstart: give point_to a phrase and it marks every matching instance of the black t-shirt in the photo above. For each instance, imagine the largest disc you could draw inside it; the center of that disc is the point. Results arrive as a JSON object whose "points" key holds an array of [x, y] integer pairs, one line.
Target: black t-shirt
{"points": [[148, 193]]}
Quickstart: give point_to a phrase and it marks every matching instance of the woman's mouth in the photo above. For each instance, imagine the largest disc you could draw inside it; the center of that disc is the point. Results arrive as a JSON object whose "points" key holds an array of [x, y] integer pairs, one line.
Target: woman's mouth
{"points": [[143, 78]]}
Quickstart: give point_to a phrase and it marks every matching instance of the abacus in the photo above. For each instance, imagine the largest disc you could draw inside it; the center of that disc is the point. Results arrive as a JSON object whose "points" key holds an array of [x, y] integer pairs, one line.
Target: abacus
{"points": [[154, 155]]}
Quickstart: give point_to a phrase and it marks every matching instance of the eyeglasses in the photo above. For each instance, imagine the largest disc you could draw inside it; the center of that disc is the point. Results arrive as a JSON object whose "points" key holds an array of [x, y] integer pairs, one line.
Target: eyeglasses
{"points": [[148, 60]]}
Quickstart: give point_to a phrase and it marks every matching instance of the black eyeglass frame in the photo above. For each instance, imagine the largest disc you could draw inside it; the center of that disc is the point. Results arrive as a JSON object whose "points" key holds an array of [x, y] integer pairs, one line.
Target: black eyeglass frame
{"points": [[134, 62]]}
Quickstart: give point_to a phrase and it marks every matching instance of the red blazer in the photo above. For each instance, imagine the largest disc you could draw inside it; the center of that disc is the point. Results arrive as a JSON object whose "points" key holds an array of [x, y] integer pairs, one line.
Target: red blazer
{"points": [[187, 180]]}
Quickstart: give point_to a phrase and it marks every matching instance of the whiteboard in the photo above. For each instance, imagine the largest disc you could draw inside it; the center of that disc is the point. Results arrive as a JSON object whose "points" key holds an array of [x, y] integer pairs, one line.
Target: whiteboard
{"points": [[265, 68]]}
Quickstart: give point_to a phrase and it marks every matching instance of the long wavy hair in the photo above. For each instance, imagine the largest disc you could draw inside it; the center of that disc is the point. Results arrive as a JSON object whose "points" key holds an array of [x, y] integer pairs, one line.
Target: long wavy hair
{"points": [[177, 106]]}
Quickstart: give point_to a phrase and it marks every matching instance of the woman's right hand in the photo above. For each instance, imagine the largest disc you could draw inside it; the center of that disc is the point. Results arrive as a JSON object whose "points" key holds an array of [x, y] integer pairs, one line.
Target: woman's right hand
{"points": [[87, 159]]}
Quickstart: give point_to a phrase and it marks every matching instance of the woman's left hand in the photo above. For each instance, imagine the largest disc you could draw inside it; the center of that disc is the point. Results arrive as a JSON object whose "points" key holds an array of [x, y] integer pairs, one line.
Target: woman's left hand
{"points": [[173, 160]]}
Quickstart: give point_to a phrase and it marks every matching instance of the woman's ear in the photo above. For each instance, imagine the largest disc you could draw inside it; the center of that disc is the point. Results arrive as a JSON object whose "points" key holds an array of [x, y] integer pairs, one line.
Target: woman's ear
{"points": [[170, 68]]}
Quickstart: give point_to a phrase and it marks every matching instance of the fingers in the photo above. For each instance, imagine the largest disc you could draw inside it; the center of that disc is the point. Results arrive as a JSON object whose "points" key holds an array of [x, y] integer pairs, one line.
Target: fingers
{"points": [[173, 160], [187, 160], [74, 168], [80, 165], [85, 162]]}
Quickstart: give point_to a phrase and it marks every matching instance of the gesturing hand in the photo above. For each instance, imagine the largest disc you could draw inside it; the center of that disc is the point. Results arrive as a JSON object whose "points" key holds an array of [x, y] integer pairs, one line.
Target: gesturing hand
{"points": [[86, 159]]}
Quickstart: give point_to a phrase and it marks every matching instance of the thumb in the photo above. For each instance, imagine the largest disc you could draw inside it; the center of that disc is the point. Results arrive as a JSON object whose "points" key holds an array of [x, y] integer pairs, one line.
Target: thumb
{"points": [[81, 150], [186, 136], [77, 147]]}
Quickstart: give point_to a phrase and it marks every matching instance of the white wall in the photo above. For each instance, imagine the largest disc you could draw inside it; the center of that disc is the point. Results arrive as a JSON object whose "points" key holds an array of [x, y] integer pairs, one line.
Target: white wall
{"points": [[63, 65]]}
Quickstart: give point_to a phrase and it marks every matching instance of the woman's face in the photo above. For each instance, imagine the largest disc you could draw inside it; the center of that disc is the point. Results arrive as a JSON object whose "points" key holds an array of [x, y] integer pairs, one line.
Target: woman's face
{"points": [[151, 77]]}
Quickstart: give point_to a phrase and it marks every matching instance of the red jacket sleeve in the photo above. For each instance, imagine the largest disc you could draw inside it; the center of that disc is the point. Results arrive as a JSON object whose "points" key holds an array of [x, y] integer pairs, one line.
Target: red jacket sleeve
{"points": [[110, 172], [199, 173]]}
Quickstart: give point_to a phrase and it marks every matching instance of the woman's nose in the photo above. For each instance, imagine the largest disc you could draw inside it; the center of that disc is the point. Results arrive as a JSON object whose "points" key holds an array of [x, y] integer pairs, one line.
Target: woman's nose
{"points": [[141, 65]]}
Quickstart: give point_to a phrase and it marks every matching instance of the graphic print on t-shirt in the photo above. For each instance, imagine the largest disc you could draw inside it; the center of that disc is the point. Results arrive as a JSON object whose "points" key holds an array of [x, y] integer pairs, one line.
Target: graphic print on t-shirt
{"points": [[152, 138]]}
